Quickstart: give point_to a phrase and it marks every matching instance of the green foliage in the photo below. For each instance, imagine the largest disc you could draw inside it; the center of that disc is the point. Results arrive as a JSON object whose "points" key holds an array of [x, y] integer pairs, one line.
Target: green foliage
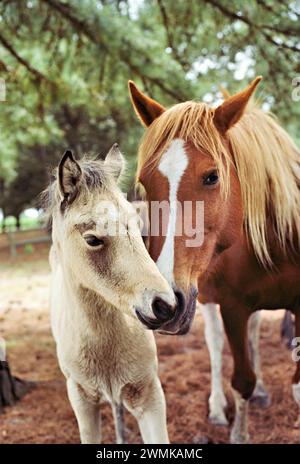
{"points": [[66, 66]]}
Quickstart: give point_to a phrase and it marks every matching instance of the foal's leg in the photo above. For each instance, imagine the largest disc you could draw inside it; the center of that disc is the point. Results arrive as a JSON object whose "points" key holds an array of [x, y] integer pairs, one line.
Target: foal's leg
{"points": [[296, 358], [243, 379], [87, 414], [149, 409], [214, 336], [260, 396], [118, 413]]}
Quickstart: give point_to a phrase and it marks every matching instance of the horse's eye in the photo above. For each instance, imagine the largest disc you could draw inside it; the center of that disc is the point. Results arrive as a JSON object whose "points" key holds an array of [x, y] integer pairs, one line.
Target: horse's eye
{"points": [[211, 179], [93, 241]]}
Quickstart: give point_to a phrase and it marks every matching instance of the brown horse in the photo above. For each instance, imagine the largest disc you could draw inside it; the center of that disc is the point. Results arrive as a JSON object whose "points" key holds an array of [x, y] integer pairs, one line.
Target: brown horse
{"points": [[246, 169]]}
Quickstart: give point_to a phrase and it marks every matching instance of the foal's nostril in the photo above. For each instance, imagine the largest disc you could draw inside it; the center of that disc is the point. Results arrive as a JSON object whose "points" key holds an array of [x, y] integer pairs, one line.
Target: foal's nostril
{"points": [[162, 310]]}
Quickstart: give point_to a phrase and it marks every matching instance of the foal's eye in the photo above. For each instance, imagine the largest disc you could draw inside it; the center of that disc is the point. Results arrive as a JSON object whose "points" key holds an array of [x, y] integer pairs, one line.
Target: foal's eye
{"points": [[211, 179], [93, 241]]}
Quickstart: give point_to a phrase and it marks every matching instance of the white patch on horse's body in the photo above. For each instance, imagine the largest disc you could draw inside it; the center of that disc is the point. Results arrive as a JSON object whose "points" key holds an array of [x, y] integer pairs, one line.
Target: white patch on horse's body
{"points": [[172, 165]]}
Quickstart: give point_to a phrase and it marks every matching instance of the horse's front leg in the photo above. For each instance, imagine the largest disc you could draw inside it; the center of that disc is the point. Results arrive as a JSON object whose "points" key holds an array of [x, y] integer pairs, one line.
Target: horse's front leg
{"points": [[243, 379], [260, 396], [214, 336], [87, 414]]}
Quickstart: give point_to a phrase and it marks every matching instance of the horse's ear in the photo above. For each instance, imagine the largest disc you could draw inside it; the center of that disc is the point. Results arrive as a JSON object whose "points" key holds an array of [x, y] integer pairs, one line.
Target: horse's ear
{"points": [[224, 92], [146, 109], [227, 114], [69, 175], [115, 160]]}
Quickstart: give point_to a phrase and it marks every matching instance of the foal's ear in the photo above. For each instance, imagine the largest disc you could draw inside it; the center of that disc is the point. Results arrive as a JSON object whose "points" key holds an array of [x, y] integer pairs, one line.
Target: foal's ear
{"points": [[146, 109], [69, 175], [115, 160], [233, 107]]}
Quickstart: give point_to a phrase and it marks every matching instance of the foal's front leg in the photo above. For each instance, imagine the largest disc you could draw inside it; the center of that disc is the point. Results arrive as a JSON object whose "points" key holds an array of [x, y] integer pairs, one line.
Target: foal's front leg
{"points": [[118, 414], [149, 409], [214, 337], [243, 379], [87, 414]]}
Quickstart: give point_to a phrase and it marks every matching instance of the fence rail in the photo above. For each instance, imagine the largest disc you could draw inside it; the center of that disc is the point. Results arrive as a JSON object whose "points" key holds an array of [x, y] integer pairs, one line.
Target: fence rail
{"points": [[16, 239]]}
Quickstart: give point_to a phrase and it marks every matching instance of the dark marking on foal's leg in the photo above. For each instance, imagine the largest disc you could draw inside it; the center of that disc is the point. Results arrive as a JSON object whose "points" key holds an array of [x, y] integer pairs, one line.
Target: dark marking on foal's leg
{"points": [[118, 411]]}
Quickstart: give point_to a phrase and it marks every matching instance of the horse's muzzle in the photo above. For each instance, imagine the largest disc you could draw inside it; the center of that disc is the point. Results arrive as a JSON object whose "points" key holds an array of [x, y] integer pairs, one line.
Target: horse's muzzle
{"points": [[168, 320]]}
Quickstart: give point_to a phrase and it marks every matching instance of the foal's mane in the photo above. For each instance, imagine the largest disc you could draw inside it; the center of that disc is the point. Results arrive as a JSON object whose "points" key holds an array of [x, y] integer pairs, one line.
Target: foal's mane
{"points": [[265, 158]]}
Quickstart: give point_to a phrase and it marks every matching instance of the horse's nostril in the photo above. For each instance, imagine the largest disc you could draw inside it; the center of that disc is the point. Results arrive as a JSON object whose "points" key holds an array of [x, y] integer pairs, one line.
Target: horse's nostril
{"points": [[162, 310], [180, 300]]}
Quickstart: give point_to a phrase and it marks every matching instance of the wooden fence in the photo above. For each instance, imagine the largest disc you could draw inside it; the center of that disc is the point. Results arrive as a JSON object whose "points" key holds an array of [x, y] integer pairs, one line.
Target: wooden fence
{"points": [[16, 239]]}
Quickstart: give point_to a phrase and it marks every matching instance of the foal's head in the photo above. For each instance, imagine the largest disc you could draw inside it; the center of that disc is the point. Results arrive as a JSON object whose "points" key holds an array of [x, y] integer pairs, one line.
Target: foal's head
{"points": [[185, 155], [97, 237]]}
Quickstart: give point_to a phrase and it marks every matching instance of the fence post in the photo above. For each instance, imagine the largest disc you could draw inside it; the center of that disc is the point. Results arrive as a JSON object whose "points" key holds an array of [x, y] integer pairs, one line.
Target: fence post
{"points": [[12, 245]]}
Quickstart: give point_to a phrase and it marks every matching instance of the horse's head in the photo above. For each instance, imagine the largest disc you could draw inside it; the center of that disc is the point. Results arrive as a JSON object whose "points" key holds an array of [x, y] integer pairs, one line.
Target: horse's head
{"points": [[185, 167], [97, 238]]}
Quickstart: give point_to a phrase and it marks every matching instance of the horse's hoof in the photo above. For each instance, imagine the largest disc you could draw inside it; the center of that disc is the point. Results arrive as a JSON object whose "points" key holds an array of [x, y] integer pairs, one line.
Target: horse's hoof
{"points": [[218, 419], [239, 439], [201, 440], [260, 397], [260, 400], [217, 405]]}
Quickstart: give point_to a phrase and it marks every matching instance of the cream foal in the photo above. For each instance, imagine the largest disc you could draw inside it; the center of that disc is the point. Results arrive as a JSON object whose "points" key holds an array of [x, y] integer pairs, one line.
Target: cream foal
{"points": [[98, 278]]}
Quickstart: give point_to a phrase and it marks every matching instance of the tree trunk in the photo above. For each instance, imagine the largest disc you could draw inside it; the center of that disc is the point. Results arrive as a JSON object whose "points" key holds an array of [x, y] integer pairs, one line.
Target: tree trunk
{"points": [[18, 224], [11, 388]]}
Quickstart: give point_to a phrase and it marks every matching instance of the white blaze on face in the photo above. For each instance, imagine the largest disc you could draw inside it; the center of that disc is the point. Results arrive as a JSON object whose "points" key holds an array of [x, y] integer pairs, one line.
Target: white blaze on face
{"points": [[172, 165]]}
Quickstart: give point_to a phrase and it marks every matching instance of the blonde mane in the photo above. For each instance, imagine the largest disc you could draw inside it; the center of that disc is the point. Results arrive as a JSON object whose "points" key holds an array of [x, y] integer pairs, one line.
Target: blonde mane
{"points": [[266, 160]]}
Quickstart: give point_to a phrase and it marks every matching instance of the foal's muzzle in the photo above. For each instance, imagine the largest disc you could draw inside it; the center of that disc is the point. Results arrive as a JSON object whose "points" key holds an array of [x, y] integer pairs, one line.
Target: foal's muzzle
{"points": [[171, 320]]}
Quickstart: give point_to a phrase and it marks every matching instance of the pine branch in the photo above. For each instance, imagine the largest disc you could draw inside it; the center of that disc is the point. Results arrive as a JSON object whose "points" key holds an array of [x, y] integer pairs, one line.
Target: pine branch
{"points": [[37, 74]]}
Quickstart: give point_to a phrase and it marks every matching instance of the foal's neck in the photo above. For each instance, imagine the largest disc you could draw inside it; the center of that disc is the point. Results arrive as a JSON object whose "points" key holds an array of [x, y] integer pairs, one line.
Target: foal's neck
{"points": [[95, 313]]}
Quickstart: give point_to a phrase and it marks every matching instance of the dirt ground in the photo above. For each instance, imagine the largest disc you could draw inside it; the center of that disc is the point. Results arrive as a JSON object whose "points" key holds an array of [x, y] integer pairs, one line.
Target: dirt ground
{"points": [[45, 416]]}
